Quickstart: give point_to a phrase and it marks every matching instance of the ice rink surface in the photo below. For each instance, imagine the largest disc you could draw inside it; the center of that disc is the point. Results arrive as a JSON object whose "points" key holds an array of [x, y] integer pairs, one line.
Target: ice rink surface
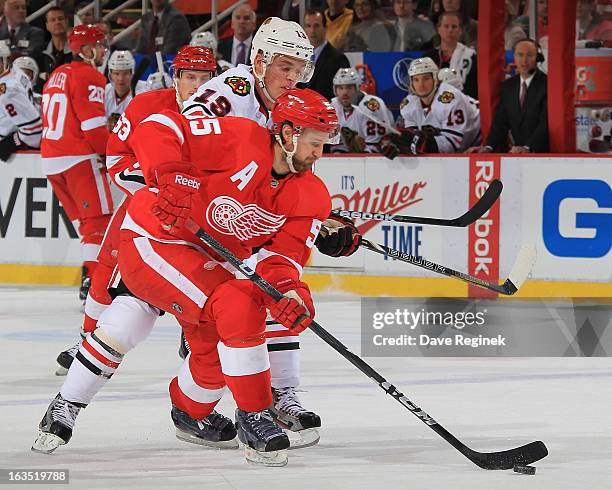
{"points": [[125, 438]]}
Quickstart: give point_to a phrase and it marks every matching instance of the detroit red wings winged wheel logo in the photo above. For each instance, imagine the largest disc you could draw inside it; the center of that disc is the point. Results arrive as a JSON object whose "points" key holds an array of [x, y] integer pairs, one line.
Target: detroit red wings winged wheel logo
{"points": [[239, 85], [230, 217]]}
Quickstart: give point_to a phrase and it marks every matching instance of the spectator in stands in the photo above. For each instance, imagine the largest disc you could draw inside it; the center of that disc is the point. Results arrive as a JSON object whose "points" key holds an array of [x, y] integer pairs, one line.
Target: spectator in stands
{"points": [[294, 10], [453, 54], [327, 59], [107, 28], [590, 25], [522, 111], [57, 51], [409, 32], [369, 31], [22, 38], [236, 49], [164, 29], [469, 26], [514, 32], [338, 20], [87, 16]]}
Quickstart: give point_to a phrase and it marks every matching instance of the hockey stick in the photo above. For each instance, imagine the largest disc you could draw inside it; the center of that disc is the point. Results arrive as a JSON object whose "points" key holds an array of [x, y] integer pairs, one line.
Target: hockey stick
{"points": [[372, 118], [475, 212], [521, 269], [145, 62], [501, 460], [160, 67]]}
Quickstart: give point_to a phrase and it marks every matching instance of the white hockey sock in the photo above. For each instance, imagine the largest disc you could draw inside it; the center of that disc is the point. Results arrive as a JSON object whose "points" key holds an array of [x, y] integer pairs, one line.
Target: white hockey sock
{"points": [[93, 365]]}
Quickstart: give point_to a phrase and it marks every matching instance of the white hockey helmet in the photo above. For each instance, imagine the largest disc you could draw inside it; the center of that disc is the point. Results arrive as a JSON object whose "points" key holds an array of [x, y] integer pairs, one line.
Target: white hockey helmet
{"points": [[451, 76], [27, 63], [205, 39], [121, 60], [347, 76], [421, 66], [282, 37]]}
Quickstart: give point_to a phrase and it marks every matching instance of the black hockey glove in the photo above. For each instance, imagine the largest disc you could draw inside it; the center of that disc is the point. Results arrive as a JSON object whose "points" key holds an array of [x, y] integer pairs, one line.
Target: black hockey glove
{"points": [[339, 237], [8, 146]]}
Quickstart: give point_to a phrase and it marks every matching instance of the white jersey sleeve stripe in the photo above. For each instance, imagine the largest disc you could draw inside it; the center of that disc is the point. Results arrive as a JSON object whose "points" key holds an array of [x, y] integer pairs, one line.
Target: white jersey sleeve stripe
{"points": [[166, 121], [93, 123]]}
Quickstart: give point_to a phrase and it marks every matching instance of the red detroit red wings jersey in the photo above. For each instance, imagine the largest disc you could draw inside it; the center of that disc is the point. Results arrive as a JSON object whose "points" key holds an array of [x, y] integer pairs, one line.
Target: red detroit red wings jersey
{"points": [[120, 159], [74, 121], [239, 202]]}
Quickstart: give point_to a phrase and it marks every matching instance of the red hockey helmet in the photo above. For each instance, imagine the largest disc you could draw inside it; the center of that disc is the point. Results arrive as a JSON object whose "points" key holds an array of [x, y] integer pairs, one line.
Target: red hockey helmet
{"points": [[197, 58], [84, 35], [304, 108]]}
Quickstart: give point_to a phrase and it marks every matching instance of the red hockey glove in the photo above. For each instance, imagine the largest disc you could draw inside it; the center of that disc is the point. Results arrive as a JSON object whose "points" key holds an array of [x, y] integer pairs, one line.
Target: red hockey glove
{"points": [[177, 186], [295, 311], [339, 237]]}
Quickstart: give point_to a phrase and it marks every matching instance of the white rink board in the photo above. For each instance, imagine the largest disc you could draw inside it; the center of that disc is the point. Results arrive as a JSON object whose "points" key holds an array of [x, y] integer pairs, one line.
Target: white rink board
{"points": [[435, 186], [35, 234]]}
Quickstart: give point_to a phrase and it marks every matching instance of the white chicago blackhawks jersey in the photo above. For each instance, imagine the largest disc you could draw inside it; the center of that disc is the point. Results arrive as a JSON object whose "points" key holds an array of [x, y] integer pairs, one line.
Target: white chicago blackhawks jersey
{"points": [[451, 118], [18, 111], [114, 105], [231, 94], [359, 122]]}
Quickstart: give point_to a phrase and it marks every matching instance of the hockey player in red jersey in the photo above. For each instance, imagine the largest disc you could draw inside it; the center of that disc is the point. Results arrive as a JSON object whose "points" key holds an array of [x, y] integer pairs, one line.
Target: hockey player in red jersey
{"points": [[74, 142], [264, 204], [192, 66], [280, 58]]}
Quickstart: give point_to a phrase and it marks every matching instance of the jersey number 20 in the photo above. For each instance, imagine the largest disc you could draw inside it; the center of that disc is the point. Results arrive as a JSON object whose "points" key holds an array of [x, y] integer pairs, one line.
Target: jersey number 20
{"points": [[54, 113]]}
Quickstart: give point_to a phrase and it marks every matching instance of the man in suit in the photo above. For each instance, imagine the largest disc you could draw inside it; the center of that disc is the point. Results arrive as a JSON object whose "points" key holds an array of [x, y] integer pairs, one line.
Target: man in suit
{"points": [[328, 60], [58, 50], [522, 109], [22, 38], [163, 29], [236, 49]]}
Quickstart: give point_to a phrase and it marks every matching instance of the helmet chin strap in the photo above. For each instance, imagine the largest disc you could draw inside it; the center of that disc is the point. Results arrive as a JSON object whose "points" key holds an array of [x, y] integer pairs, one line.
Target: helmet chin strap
{"points": [[288, 153], [262, 83], [91, 61], [179, 101]]}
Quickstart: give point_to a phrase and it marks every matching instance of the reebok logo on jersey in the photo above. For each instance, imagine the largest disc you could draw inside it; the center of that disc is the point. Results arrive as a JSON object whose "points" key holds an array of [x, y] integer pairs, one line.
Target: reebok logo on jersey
{"points": [[194, 184]]}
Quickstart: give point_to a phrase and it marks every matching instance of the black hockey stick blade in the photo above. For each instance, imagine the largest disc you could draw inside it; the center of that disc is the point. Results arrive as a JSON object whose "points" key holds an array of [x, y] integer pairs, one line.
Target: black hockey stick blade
{"points": [[470, 216], [492, 461], [505, 460], [521, 269]]}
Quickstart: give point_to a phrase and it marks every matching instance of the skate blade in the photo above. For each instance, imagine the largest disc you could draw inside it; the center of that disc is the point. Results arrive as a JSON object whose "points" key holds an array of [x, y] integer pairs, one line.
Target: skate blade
{"points": [[47, 443], [271, 458], [303, 438], [187, 437]]}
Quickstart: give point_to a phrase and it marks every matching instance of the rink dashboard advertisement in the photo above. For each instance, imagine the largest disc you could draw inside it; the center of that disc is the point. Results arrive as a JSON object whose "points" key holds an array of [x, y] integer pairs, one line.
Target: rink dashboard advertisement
{"points": [[562, 204]]}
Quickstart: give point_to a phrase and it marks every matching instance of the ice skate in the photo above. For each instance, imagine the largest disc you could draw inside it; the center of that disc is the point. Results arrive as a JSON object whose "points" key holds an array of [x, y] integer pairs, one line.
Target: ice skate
{"points": [[289, 414], [265, 443], [65, 358], [56, 425], [216, 430]]}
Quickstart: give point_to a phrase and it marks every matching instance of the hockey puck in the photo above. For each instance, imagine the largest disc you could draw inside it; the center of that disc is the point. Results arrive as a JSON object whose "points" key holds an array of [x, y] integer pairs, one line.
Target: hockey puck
{"points": [[524, 469]]}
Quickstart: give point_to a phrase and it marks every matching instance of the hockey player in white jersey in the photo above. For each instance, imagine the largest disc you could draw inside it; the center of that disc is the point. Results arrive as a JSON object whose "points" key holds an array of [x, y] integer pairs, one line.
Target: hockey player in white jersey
{"points": [[20, 122], [280, 58], [472, 133], [434, 116], [359, 115], [118, 92], [30, 68]]}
